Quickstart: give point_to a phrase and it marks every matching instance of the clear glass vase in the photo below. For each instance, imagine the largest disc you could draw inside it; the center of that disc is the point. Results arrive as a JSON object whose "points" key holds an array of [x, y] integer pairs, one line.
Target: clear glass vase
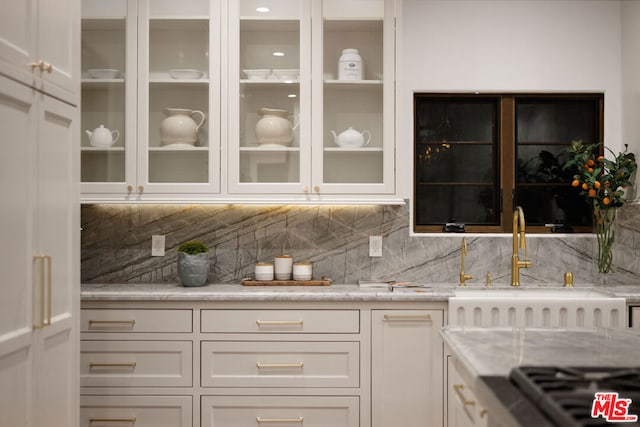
{"points": [[605, 231]]}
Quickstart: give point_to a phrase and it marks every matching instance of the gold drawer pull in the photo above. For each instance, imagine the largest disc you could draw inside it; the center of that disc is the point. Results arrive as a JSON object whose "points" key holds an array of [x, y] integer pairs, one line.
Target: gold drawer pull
{"points": [[483, 412], [279, 420], [112, 420], [131, 365], [131, 323], [425, 317], [279, 322], [458, 389], [261, 365]]}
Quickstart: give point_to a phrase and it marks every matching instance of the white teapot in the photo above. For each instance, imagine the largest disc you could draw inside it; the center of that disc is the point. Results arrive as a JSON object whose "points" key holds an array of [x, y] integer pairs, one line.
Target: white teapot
{"points": [[351, 138], [102, 137]]}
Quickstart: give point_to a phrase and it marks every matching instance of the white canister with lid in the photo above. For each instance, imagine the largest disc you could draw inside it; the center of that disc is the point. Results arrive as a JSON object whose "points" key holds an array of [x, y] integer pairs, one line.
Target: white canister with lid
{"points": [[350, 65], [302, 271]]}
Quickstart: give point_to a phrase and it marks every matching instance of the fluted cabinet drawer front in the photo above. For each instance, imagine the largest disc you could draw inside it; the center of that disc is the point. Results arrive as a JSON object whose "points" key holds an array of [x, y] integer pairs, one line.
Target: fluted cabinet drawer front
{"points": [[280, 364], [135, 411], [281, 321], [270, 411], [136, 363], [136, 320]]}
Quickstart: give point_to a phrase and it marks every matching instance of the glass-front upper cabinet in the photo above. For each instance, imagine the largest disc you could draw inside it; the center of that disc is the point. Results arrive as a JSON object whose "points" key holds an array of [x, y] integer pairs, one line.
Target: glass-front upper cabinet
{"points": [[108, 64], [179, 93], [269, 114], [353, 96], [150, 98], [314, 110]]}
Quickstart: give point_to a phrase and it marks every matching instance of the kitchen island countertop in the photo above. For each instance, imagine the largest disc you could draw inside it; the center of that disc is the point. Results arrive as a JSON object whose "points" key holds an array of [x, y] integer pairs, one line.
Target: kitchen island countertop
{"points": [[485, 358]]}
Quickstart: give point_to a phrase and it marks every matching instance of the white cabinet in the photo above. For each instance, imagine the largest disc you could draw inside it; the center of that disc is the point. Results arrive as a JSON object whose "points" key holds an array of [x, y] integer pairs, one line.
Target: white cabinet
{"points": [[164, 57], [40, 258], [136, 366], [463, 407], [296, 45], [39, 45], [406, 367], [315, 411]]}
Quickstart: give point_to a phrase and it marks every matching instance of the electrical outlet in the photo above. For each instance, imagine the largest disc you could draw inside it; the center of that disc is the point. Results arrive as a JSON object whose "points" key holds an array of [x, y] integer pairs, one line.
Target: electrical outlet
{"points": [[157, 245], [375, 246]]}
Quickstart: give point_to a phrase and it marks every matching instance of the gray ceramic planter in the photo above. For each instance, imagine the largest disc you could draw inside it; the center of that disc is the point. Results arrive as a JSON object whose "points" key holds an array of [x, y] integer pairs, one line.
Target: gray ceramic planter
{"points": [[193, 269]]}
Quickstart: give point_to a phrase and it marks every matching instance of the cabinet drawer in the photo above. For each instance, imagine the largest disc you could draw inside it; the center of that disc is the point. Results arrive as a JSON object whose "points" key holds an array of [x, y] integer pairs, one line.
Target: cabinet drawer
{"points": [[307, 411], [135, 363], [281, 321], [137, 320], [135, 411], [280, 364]]}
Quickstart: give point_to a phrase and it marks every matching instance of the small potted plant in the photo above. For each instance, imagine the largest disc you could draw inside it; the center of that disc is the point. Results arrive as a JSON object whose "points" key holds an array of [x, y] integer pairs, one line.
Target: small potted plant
{"points": [[193, 263]]}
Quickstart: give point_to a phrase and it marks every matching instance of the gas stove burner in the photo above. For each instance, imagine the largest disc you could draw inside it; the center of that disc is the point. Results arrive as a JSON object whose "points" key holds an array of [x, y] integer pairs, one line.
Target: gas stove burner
{"points": [[566, 395]]}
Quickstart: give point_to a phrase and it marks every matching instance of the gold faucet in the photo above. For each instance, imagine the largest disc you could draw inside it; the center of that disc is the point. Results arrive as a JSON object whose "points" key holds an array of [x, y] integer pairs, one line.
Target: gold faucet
{"points": [[463, 277], [518, 230]]}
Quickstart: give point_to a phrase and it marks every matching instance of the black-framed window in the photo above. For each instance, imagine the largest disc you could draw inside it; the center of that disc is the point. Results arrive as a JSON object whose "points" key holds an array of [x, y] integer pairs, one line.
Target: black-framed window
{"points": [[478, 156]]}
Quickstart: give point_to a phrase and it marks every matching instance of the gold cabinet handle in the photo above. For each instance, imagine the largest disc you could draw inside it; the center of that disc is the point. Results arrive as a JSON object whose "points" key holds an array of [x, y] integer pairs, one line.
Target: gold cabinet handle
{"points": [[279, 322], [458, 389], [140, 188], [305, 189], [39, 272], [131, 365], [112, 322], [425, 317], [45, 66], [483, 412], [280, 420], [261, 365], [44, 280], [112, 420], [129, 188], [316, 189], [35, 64]]}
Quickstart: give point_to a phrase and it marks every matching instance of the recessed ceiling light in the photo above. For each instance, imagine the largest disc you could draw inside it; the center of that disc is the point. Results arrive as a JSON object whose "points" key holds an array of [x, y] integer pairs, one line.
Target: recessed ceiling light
{"points": [[262, 9], [292, 95], [278, 53]]}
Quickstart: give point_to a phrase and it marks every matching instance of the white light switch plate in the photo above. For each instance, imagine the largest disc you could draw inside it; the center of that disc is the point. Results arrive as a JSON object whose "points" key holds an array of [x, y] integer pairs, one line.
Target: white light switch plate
{"points": [[157, 245], [375, 246]]}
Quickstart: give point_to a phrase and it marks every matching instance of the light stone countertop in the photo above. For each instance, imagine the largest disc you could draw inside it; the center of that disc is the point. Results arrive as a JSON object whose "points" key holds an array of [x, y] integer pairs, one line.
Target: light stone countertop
{"points": [[237, 292], [334, 292], [486, 356]]}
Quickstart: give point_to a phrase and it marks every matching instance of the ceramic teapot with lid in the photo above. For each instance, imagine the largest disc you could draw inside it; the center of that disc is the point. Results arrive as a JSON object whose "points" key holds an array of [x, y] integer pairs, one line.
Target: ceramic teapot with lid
{"points": [[274, 127], [102, 137], [351, 138], [179, 128]]}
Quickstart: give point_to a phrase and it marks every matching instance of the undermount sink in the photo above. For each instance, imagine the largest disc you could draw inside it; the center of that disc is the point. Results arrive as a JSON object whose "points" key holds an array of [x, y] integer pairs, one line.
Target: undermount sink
{"points": [[536, 307]]}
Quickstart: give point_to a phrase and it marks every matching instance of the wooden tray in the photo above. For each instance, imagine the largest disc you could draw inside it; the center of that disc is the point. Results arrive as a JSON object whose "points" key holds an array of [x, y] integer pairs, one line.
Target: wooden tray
{"points": [[320, 282]]}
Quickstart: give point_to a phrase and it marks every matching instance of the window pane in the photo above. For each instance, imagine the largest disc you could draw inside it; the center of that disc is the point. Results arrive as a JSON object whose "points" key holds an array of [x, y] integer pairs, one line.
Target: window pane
{"points": [[557, 120], [545, 127], [456, 160], [452, 162], [463, 204]]}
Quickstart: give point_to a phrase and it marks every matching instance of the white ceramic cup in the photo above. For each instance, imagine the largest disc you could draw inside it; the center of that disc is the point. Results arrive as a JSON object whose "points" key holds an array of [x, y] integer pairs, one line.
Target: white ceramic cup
{"points": [[302, 271], [264, 271], [283, 267]]}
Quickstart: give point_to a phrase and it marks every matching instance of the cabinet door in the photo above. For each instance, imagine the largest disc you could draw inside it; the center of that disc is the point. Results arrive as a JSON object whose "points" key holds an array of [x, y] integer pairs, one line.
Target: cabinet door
{"points": [[269, 113], [58, 242], [109, 75], [17, 115], [406, 367], [178, 97], [58, 30], [353, 140], [18, 42]]}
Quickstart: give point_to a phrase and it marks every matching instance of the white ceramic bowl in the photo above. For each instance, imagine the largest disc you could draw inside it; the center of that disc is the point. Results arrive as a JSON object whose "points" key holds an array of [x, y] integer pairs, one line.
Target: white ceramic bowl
{"points": [[260, 74], [186, 73], [286, 74], [103, 73]]}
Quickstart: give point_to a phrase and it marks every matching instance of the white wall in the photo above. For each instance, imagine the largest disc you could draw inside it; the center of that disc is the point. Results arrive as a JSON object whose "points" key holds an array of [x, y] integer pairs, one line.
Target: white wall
{"points": [[631, 78], [509, 46]]}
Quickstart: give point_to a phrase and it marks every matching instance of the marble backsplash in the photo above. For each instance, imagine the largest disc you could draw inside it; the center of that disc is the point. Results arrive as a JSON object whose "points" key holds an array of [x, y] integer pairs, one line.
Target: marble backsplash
{"points": [[116, 245]]}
